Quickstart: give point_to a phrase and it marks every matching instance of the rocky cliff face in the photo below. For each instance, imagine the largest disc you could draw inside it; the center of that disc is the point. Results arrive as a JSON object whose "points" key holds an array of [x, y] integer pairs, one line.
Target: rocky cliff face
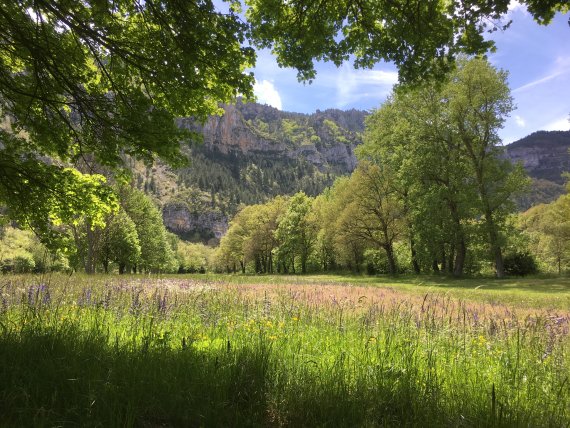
{"points": [[543, 154], [254, 152], [323, 138], [194, 225]]}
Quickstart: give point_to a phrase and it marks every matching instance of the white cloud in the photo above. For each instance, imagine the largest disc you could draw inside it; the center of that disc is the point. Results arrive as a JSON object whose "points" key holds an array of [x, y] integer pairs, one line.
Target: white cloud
{"points": [[266, 93], [515, 5], [520, 121], [514, 8], [354, 85], [562, 124]]}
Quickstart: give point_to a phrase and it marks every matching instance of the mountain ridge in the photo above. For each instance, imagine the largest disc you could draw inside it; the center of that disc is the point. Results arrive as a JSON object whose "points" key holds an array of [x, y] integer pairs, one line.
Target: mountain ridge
{"points": [[254, 152]]}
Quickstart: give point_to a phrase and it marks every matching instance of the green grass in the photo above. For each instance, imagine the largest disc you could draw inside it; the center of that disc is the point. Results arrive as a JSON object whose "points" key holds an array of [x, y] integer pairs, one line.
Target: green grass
{"points": [[531, 292], [281, 351]]}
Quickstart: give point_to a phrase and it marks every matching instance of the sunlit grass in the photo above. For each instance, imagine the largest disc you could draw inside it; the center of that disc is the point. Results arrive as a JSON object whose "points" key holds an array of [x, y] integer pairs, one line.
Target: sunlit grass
{"points": [[297, 351], [532, 292]]}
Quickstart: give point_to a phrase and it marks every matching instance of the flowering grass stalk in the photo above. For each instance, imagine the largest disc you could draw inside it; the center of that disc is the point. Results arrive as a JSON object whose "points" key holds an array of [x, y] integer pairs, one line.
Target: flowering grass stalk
{"points": [[191, 353]]}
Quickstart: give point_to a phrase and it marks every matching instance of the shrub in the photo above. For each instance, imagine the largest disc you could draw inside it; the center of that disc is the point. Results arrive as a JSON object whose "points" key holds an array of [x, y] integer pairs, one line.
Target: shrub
{"points": [[520, 264]]}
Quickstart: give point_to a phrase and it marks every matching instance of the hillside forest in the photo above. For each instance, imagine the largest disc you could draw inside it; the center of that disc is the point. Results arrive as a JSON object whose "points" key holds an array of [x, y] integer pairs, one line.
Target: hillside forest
{"points": [[432, 191]]}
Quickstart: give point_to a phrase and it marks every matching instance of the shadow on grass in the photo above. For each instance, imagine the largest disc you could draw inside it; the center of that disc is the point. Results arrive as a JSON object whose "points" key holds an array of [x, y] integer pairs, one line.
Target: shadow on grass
{"points": [[68, 378]]}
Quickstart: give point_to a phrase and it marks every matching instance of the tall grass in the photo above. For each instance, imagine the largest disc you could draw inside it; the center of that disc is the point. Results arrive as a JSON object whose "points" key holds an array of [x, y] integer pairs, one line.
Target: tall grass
{"points": [[202, 353]]}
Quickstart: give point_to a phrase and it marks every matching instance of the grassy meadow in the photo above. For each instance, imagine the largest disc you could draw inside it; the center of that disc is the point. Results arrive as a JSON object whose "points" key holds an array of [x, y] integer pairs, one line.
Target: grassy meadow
{"points": [[283, 351]]}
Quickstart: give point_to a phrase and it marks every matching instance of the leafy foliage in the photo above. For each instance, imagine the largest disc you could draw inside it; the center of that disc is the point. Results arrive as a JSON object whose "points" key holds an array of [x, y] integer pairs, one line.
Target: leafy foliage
{"points": [[442, 142], [520, 264], [93, 81], [421, 37], [21, 252], [548, 229]]}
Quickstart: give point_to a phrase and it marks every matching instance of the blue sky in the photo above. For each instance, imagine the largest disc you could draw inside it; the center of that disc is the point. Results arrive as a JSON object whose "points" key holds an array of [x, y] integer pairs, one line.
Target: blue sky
{"points": [[536, 57]]}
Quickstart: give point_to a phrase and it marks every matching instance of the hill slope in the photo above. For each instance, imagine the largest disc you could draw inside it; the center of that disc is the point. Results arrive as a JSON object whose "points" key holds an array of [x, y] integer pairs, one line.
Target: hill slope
{"points": [[545, 156], [250, 154], [254, 152]]}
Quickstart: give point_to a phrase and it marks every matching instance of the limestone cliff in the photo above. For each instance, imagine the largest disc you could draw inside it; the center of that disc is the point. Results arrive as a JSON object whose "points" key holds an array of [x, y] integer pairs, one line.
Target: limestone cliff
{"points": [[254, 152], [543, 154], [325, 138]]}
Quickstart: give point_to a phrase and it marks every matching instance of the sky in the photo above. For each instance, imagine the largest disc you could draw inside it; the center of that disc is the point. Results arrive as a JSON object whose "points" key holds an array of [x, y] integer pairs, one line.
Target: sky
{"points": [[536, 57]]}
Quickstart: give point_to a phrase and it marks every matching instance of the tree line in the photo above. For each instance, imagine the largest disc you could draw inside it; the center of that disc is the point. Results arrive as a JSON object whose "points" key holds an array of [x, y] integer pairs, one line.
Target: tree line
{"points": [[131, 238]]}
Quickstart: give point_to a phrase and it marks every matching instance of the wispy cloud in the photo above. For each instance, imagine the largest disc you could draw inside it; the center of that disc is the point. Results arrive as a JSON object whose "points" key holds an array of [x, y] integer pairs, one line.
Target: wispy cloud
{"points": [[354, 85], [266, 93], [561, 67], [520, 121], [561, 124]]}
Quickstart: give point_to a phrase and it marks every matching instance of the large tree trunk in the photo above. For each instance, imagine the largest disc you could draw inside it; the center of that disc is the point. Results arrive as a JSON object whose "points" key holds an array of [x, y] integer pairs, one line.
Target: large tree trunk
{"points": [[303, 263], [460, 258], [459, 263], [392, 267], [494, 244], [451, 258], [490, 224], [90, 256], [415, 264]]}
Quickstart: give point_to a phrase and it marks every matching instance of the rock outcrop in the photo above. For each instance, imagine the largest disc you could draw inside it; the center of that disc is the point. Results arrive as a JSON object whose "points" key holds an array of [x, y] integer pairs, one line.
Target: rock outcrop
{"points": [[193, 224], [252, 128], [543, 154]]}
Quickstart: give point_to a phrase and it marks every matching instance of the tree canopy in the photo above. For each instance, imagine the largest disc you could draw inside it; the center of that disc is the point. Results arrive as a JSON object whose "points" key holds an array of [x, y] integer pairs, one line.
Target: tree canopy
{"points": [[92, 81], [442, 141], [422, 37]]}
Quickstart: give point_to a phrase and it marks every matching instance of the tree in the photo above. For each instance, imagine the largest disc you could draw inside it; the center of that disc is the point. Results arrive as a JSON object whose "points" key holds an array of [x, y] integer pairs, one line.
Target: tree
{"points": [[233, 246], [92, 81], [297, 232], [548, 227], [156, 252], [411, 133], [263, 242], [380, 214], [479, 102], [421, 37], [121, 243], [193, 258], [440, 142]]}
